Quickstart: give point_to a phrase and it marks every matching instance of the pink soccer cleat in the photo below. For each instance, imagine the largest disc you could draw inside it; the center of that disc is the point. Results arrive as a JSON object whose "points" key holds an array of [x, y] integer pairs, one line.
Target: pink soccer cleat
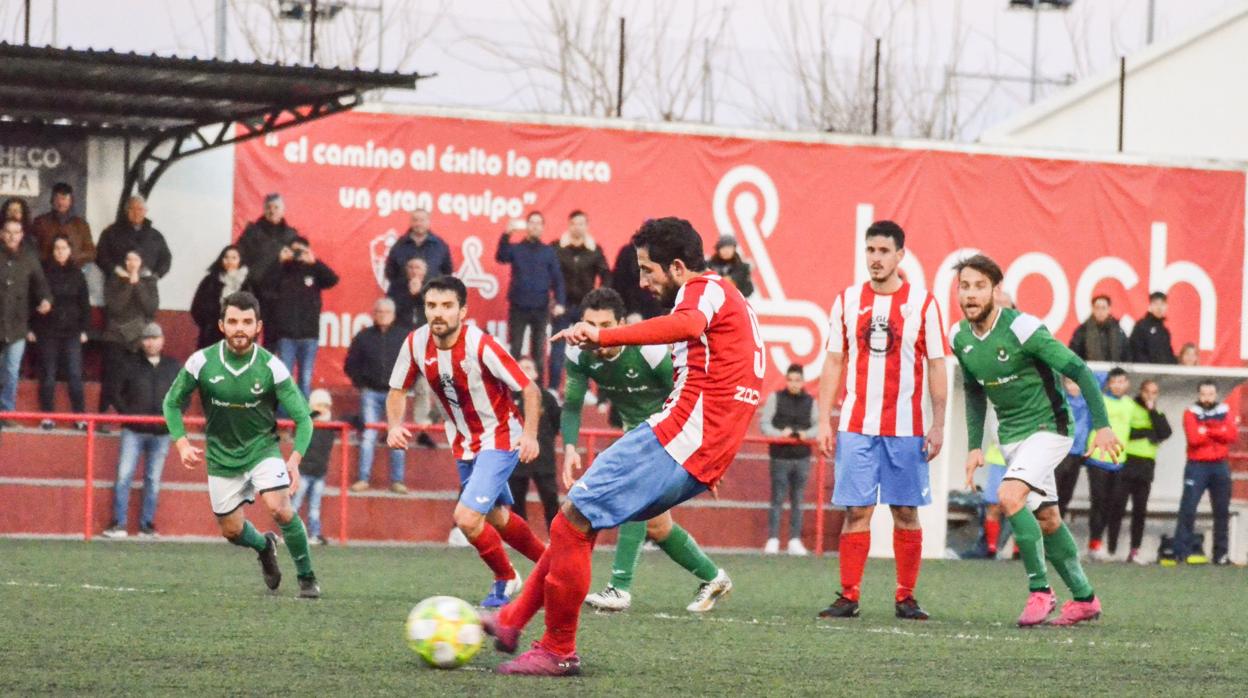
{"points": [[540, 661], [1039, 605], [505, 639], [1078, 611]]}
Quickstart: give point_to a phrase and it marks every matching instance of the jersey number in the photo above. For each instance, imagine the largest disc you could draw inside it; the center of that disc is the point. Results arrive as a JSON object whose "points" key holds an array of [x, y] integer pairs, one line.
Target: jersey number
{"points": [[760, 359]]}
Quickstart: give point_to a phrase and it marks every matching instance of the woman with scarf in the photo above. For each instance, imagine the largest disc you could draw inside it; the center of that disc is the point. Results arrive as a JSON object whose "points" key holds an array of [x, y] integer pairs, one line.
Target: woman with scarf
{"points": [[226, 275]]}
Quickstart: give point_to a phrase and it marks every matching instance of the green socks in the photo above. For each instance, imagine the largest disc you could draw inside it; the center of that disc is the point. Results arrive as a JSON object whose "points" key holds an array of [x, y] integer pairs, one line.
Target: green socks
{"points": [[1063, 552], [627, 554], [1027, 534], [251, 538], [684, 551], [296, 537]]}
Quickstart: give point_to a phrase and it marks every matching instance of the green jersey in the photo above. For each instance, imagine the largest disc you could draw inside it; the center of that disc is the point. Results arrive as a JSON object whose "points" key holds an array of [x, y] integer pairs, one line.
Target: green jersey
{"points": [[240, 395], [1017, 366], [636, 382]]}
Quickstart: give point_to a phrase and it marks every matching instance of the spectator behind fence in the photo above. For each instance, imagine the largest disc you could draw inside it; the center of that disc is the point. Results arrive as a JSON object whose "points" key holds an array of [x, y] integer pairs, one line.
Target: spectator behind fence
{"points": [[1105, 471], [263, 240], [62, 221], [134, 231], [1150, 340], [315, 464], [1189, 355], [1149, 428], [626, 280], [146, 377], [225, 276], [727, 262], [1067, 472], [1210, 431], [294, 287], [22, 285], [409, 301], [789, 414], [584, 268], [130, 302], [419, 241], [540, 470], [370, 360], [16, 209], [535, 278], [1100, 337], [60, 334]]}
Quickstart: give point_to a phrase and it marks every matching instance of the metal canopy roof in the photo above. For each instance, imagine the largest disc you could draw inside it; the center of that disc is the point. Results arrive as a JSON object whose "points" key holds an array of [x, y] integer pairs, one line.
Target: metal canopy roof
{"points": [[106, 91]]}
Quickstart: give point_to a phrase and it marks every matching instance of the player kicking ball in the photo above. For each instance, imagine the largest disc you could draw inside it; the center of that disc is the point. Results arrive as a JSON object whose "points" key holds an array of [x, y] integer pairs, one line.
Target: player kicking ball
{"points": [[636, 380], [674, 455], [1010, 359], [473, 377], [240, 386]]}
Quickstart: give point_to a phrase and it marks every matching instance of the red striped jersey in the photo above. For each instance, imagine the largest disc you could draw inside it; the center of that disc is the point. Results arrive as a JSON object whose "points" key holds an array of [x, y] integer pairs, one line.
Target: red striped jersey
{"points": [[886, 340], [718, 364], [473, 380]]}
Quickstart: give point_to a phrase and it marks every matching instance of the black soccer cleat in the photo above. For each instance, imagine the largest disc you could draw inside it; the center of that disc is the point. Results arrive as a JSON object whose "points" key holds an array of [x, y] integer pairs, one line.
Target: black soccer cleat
{"points": [[308, 588], [909, 609], [841, 608], [268, 562]]}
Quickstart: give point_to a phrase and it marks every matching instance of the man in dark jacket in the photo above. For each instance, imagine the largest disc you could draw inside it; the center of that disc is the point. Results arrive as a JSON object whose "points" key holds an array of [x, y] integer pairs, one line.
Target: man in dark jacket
{"points": [[294, 287], [263, 240], [418, 242], [789, 414], [134, 232], [1100, 337], [1210, 431], [146, 379], [62, 221], [1150, 340], [626, 280], [370, 360], [535, 277], [727, 262], [584, 268], [21, 284]]}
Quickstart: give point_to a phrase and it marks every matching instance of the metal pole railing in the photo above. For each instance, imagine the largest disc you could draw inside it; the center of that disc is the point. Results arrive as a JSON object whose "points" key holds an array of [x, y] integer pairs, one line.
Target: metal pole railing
{"points": [[344, 479], [88, 504]]}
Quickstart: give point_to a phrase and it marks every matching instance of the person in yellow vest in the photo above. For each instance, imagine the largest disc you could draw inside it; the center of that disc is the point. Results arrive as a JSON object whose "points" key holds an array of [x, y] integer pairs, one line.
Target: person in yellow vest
{"points": [[1104, 473], [1149, 427]]}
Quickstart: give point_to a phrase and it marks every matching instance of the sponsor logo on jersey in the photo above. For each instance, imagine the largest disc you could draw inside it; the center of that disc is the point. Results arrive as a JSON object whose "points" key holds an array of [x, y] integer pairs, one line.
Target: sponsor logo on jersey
{"points": [[1003, 355], [448, 388], [243, 406], [256, 389], [880, 337], [631, 373]]}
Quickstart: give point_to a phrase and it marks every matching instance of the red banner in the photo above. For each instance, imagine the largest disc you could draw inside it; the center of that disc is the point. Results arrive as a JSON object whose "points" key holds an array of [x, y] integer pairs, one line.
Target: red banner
{"points": [[1063, 230]]}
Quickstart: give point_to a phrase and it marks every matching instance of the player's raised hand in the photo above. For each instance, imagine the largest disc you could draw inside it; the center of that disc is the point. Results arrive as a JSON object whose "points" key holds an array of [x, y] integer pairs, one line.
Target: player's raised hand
{"points": [[571, 464], [934, 441], [398, 437], [582, 334], [974, 461], [528, 448], [188, 454], [1106, 442]]}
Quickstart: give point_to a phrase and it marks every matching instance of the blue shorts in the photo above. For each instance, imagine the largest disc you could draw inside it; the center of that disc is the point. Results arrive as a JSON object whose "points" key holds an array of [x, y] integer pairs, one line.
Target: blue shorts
{"points": [[874, 470], [635, 479], [996, 473], [484, 480]]}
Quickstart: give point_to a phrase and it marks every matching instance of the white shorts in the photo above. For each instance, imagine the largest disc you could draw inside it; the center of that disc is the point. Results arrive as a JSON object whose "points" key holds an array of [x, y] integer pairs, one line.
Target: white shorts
{"points": [[230, 493], [1034, 461]]}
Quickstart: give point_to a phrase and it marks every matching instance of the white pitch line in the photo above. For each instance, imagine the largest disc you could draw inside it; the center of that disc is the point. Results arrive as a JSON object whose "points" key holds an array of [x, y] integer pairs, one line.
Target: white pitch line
{"points": [[87, 587]]}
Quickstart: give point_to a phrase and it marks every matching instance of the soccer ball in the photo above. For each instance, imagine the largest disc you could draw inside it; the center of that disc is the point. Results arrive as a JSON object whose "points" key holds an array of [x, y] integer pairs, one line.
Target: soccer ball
{"points": [[444, 631]]}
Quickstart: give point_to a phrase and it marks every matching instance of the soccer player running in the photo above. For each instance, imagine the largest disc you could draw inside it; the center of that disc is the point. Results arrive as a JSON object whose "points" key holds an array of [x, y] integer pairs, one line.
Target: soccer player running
{"points": [[1010, 358], [240, 386], [888, 334], [636, 379], [474, 377], [674, 455]]}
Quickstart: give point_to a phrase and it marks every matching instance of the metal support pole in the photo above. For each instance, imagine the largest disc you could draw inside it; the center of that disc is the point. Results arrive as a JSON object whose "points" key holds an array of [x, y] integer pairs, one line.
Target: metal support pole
{"points": [[1152, 15], [875, 99], [312, 36], [820, 485], [1035, 49], [344, 484], [88, 505], [619, 85], [1122, 97], [26, 19], [221, 29]]}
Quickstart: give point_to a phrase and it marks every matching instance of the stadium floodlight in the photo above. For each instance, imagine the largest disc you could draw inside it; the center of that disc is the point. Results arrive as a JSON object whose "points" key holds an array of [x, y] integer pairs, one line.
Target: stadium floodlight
{"points": [[1034, 6], [299, 10]]}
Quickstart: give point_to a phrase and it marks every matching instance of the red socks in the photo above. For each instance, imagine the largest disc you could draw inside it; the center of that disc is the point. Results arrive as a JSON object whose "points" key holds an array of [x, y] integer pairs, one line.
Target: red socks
{"points": [[490, 547], [992, 533], [520, 537], [908, 552], [567, 583], [854, 549], [521, 610]]}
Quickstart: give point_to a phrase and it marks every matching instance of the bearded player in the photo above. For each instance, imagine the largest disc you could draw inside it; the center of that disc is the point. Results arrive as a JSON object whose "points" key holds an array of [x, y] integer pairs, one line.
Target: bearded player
{"points": [[473, 377], [1010, 359], [636, 379], [240, 387], [673, 456]]}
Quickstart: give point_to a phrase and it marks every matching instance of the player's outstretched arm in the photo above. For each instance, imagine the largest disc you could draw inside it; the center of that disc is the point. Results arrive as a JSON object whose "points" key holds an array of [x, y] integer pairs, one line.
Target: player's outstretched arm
{"points": [[289, 397], [183, 385], [829, 384], [570, 420], [1060, 358]]}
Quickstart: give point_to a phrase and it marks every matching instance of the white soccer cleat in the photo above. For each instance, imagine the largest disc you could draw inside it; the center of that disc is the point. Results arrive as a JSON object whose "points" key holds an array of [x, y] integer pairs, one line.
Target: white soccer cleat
{"points": [[610, 599], [115, 532], [772, 547], [709, 593], [1100, 555], [796, 548], [513, 586]]}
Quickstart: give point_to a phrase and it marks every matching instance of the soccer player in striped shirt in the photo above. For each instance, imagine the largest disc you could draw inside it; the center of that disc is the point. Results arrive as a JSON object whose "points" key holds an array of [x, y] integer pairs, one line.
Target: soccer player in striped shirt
{"points": [[674, 455], [887, 338], [473, 376]]}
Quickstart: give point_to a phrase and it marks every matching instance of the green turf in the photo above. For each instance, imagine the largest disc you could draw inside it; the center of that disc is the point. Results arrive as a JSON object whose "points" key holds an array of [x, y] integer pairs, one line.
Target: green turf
{"points": [[171, 618]]}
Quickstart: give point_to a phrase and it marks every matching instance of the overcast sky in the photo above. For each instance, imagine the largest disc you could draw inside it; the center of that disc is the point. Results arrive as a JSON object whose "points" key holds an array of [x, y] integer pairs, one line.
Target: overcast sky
{"points": [[733, 63]]}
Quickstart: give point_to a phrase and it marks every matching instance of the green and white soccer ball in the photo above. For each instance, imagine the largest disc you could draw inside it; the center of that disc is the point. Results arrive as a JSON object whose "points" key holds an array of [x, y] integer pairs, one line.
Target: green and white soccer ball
{"points": [[444, 631]]}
